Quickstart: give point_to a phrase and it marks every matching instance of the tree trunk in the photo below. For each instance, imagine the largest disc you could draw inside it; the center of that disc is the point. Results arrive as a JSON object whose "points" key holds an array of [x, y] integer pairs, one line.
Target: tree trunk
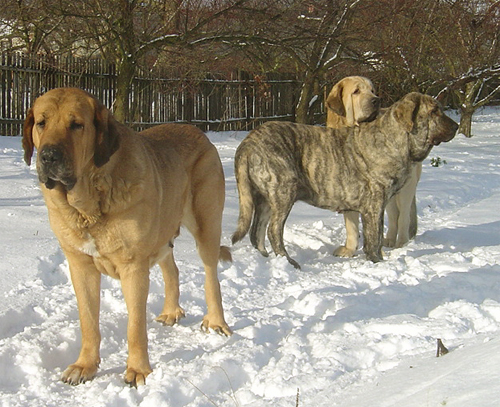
{"points": [[465, 126], [306, 94], [466, 96], [126, 72]]}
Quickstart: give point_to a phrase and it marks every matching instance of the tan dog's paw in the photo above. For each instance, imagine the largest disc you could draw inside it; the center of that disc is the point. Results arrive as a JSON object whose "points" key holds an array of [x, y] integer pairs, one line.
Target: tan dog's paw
{"points": [[343, 251], [221, 328], [401, 242], [76, 374], [389, 242], [134, 378], [171, 318]]}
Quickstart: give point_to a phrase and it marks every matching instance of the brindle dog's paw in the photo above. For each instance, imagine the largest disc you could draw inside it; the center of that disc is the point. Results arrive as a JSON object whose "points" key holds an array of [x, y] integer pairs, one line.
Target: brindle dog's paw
{"points": [[375, 258], [293, 263]]}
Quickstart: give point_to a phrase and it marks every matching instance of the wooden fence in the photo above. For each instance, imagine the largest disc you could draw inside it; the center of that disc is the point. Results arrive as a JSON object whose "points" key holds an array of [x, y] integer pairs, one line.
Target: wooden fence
{"points": [[210, 103]]}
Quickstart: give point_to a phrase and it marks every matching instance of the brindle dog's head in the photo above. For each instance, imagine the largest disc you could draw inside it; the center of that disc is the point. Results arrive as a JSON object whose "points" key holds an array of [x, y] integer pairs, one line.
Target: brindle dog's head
{"points": [[422, 117], [70, 130]]}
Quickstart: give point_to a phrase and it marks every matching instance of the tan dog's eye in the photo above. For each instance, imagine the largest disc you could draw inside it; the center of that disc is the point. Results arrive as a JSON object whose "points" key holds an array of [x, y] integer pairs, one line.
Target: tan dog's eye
{"points": [[41, 124], [356, 92], [76, 126]]}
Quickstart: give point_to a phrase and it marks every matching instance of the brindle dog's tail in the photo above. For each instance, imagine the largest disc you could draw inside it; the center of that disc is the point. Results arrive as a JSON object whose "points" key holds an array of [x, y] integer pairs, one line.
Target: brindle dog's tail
{"points": [[413, 219], [245, 194]]}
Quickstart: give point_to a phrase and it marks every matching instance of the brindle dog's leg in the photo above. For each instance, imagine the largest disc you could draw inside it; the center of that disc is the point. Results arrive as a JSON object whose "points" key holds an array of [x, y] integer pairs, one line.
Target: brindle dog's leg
{"points": [[279, 214], [373, 225], [262, 214]]}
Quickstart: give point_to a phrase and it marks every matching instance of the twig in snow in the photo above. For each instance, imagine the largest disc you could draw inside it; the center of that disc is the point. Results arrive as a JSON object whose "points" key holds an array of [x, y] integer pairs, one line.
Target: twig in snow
{"points": [[202, 392], [233, 396], [441, 349]]}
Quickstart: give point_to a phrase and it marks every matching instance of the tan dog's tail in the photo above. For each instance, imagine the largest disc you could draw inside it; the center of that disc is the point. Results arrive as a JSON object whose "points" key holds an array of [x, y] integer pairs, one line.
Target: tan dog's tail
{"points": [[225, 255], [245, 195]]}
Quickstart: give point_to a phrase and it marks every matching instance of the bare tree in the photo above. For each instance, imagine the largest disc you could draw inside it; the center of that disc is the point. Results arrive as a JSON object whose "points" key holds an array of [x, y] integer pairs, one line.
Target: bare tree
{"points": [[28, 25], [310, 38], [448, 48], [445, 47], [124, 32], [327, 32], [471, 52]]}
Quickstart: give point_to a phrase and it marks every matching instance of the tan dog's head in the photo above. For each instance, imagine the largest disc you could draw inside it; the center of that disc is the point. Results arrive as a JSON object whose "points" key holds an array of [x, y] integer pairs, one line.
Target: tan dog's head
{"points": [[352, 101], [70, 130], [423, 118]]}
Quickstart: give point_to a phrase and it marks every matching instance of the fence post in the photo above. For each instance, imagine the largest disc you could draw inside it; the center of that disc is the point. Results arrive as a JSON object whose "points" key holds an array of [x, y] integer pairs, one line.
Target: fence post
{"points": [[249, 99]]}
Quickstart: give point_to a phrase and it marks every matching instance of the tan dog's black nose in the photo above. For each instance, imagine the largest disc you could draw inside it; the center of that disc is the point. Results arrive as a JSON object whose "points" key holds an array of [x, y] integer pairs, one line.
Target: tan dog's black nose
{"points": [[51, 155]]}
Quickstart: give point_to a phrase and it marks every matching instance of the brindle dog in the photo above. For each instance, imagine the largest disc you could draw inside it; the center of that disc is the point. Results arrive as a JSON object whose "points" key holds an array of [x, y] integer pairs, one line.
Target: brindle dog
{"points": [[350, 169]]}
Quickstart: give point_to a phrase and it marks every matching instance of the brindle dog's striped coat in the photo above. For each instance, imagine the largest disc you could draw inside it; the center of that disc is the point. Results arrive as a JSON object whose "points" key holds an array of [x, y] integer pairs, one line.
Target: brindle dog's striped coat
{"points": [[356, 169]]}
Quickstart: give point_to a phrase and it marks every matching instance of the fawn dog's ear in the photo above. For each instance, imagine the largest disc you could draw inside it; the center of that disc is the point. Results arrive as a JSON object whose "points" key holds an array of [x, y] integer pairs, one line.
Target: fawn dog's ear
{"points": [[334, 100], [107, 136], [28, 145]]}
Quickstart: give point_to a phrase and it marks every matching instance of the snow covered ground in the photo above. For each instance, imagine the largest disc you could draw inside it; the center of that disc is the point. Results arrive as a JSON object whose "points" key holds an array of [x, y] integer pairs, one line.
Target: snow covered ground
{"points": [[341, 332]]}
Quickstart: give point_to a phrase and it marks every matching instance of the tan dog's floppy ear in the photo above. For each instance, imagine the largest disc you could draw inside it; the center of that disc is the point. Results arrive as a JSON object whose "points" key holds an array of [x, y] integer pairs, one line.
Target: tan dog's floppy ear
{"points": [[349, 113], [406, 110], [107, 140], [28, 145], [334, 100]]}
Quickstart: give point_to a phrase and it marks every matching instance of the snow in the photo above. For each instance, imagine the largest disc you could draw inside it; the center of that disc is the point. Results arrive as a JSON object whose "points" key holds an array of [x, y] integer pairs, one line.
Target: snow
{"points": [[341, 332]]}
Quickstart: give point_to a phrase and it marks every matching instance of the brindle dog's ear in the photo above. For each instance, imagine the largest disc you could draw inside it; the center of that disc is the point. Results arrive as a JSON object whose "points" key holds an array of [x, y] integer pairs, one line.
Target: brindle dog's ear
{"points": [[107, 140], [28, 145], [334, 100], [406, 111]]}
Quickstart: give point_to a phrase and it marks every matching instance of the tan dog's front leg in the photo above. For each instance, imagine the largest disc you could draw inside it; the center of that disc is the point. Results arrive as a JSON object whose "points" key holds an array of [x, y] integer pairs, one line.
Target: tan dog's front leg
{"points": [[352, 235], [135, 287], [392, 210], [402, 212], [87, 285]]}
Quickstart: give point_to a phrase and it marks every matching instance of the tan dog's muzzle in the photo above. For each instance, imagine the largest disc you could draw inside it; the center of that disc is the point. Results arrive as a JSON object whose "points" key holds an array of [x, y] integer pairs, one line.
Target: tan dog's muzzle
{"points": [[52, 167], [376, 108]]}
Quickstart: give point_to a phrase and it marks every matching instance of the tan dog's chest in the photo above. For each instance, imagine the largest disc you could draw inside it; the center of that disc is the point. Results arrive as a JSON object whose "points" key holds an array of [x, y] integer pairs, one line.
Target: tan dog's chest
{"points": [[113, 239]]}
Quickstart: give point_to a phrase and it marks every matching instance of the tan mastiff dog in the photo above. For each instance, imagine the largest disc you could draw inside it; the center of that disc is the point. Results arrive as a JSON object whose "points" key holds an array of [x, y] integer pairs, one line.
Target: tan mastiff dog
{"points": [[351, 101], [116, 201]]}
